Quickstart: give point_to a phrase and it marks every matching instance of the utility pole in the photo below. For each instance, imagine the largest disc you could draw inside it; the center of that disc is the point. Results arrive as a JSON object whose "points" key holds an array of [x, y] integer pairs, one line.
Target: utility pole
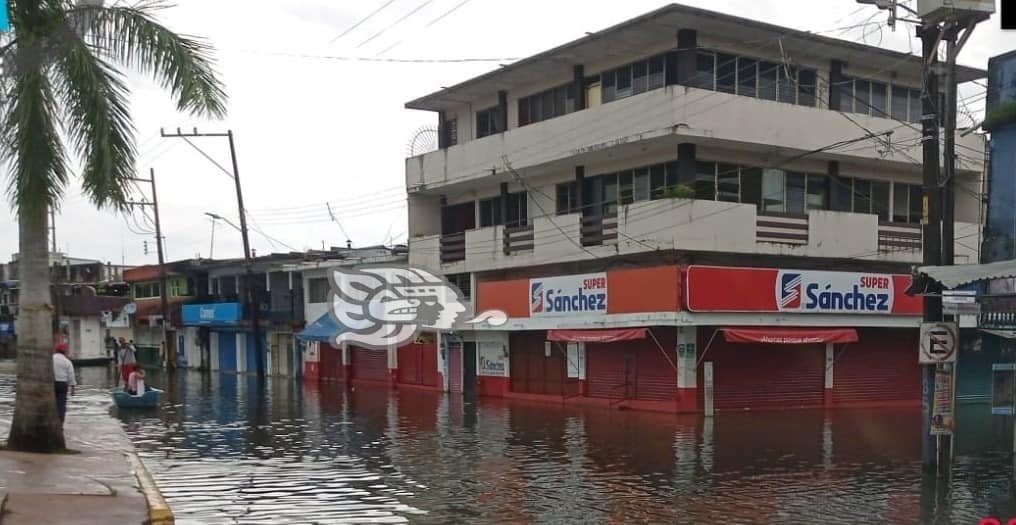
{"points": [[252, 302], [170, 357], [211, 246]]}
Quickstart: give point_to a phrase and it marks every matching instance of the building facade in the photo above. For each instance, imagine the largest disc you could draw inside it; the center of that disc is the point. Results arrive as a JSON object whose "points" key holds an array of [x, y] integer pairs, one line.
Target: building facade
{"points": [[687, 211]]}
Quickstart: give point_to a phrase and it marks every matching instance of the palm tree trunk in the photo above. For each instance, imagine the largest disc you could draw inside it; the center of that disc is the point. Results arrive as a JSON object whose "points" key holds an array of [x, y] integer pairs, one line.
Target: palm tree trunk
{"points": [[36, 426]]}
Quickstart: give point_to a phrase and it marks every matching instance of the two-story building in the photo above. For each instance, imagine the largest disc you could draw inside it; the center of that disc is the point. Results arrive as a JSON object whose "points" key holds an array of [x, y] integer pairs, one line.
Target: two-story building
{"points": [[687, 211], [147, 325]]}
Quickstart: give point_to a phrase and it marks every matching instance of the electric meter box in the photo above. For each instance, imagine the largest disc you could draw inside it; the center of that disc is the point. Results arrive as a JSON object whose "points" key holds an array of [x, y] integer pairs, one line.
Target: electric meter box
{"points": [[938, 10]]}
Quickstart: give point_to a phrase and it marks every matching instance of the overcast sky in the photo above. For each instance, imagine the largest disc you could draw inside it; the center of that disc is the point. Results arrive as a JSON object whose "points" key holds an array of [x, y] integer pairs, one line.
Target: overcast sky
{"points": [[311, 131]]}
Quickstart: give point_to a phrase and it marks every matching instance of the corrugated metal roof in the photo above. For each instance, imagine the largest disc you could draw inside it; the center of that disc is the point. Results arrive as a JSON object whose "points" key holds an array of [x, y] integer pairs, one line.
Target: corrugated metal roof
{"points": [[961, 274]]}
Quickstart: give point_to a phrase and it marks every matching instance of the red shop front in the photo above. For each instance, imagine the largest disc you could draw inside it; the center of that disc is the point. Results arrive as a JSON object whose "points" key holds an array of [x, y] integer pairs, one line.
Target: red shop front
{"points": [[417, 364], [817, 338]]}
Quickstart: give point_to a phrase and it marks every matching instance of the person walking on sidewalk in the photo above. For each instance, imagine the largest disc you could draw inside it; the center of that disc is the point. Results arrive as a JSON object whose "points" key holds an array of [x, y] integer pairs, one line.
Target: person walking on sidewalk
{"points": [[128, 360], [63, 378]]}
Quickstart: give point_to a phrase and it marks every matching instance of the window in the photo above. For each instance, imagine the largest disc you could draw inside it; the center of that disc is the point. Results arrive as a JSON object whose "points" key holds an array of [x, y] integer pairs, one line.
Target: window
{"points": [[901, 202], [751, 186], [726, 72], [640, 80], [862, 97], [546, 104], [641, 184], [609, 88], [862, 196], [657, 74], [728, 183], [879, 102], [916, 106], [767, 72], [489, 122], [747, 77], [610, 194], [900, 104], [773, 184], [807, 85], [705, 180], [916, 203], [623, 82], [462, 281], [845, 89], [705, 70], [795, 192], [490, 212], [317, 290], [567, 197], [787, 84], [658, 181], [817, 197], [451, 131], [625, 187], [880, 199], [515, 210]]}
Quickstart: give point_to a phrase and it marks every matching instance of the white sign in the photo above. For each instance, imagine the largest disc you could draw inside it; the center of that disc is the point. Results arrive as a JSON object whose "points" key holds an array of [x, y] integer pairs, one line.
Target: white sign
{"points": [[568, 295], [938, 343], [492, 359], [839, 292]]}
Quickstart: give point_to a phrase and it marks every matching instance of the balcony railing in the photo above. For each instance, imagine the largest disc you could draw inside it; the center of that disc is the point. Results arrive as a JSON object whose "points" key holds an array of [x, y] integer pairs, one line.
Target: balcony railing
{"points": [[598, 230], [898, 237], [518, 239], [782, 228], [453, 247]]}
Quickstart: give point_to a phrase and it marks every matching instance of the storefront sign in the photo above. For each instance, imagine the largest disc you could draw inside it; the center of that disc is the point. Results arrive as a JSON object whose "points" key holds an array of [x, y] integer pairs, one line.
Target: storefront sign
{"points": [[493, 361], [568, 295], [942, 411], [215, 314], [722, 289]]}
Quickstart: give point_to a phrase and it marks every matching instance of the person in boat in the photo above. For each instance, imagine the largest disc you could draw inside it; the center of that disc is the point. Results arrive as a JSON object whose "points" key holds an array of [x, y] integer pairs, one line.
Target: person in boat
{"points": [[63, 378], [136, 382], [128, 360]]}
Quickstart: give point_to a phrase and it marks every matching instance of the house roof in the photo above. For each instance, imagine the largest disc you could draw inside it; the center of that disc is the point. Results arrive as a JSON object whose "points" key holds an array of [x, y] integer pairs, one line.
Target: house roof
{"points": [[631, 37]]}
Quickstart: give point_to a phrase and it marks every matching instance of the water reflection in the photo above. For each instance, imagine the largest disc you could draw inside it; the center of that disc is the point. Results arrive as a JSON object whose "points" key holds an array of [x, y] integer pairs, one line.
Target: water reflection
{"points": [[226, 452]]}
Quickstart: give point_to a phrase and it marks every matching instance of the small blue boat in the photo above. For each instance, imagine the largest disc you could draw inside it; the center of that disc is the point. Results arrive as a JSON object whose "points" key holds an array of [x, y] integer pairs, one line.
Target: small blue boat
{"points": [[149, 399]]}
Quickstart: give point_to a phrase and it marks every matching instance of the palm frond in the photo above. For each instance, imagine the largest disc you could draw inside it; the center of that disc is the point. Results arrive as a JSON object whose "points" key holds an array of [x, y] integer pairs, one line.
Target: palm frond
{"points": [[98, 122], [30, 142], [130, 35]]}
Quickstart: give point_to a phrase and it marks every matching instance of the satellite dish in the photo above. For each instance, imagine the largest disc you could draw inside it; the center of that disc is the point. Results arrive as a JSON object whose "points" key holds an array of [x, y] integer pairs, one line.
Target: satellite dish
{"points": [[130, 308], [423, 140]]}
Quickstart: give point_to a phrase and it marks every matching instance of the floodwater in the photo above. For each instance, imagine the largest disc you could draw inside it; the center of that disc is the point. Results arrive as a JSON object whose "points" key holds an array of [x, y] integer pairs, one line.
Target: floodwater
{"points": [[222, 453]]}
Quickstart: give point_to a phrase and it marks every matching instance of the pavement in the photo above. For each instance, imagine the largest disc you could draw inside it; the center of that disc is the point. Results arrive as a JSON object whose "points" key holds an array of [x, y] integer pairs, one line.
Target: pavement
{"points": [[102, 482]]}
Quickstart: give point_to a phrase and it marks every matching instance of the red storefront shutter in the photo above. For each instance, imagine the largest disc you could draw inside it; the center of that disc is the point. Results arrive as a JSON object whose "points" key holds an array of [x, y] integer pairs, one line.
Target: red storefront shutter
{"points": [[428, 364], [605, 375], [532, 371], [331, 362], [370, 365], [455, 368], [747, 375], [635, 369], [409, 365], [882, 367]]}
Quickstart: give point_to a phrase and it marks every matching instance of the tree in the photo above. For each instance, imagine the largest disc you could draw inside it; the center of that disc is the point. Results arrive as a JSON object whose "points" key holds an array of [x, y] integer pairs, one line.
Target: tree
{"points": [[62, 86]]}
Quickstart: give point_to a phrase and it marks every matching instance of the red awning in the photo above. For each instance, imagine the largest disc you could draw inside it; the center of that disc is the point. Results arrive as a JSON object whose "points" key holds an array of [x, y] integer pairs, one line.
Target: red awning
{"points": [[596, 336], [790, 336]]}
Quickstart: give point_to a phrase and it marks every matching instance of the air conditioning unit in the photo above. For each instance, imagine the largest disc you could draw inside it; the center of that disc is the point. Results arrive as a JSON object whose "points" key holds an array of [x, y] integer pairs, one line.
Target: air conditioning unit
{"points": [[938, 10]]}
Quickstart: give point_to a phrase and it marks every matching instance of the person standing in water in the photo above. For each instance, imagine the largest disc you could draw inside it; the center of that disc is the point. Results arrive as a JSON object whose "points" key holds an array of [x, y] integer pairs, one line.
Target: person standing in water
{"points": [[63, 378]]}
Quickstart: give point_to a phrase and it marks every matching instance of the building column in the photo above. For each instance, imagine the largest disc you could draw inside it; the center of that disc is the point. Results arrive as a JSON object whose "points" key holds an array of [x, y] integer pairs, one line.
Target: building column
{"points": [[686, 164], [442, 131], [580, 183], [840, 194], [687, 374], [393, 365], [835, 78], [830, 357], [687, 52], [504, 203], [502, 107], [579, 83]]}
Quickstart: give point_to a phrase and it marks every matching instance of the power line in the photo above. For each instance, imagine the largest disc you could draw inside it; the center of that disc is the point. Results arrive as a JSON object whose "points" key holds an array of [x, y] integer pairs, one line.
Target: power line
{"points": [[432, 22], [361, 21], [395, 23], [375, 58]]}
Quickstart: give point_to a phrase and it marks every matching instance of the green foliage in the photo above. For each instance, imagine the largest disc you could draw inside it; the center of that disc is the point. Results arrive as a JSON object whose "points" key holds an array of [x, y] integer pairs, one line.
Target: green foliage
{"points": [[1002, 114], [678, 191]]}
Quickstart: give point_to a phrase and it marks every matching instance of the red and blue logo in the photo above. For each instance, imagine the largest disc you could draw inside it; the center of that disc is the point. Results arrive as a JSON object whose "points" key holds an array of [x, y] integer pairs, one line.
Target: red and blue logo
{"points": [[536, 297], [790, 291]]}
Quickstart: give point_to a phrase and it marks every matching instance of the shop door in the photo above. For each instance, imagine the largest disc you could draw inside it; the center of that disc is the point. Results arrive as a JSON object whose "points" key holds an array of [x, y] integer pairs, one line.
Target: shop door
{"points": [[252, 355], [455, 368], [410, 369], [533, 369], [761, 376], [330, 362], [227, 351], [878, 368], [469, 369], [275, 355], [369, 365]]}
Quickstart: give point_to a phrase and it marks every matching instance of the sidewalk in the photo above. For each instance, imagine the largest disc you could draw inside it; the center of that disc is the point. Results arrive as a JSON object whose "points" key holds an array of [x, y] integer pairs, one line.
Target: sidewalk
{"points": [[96, 485]]}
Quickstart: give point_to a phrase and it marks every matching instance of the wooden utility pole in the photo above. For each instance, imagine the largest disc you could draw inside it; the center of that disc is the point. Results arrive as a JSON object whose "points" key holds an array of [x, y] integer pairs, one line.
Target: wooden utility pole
{"points": [[167, 343]]}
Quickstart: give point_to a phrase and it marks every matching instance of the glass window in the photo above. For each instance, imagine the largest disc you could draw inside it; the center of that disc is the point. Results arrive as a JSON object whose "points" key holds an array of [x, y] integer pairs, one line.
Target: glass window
{"points": [[524, 111], [452, 132], [773, 185], [916, 109], [818, 193], [592, 195], [916, 203], [462, 281], [657, 181], [746, 76], [569, 98], [535, 108], [728, 183], [672, 174], [901, 202], [624, 82], [317, 290], [610, 194], [626, 190], [898, 108], [642, 184], [726, 72], [608, 87], [640, 74], [879, 103], [787, 84], [657, 77], [705, 70], [560, 100], [807, 86], [795, 192], [548, 105], [751, 186], [490, 212], [517, 212], [862, 196], [862, 97], [845, 88], [483, 124], [567, 197], [880, 199], [767, 72], [705, 180]]}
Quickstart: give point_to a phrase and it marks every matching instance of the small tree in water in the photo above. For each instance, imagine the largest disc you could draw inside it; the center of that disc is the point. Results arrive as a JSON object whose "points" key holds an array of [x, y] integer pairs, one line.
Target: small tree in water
{"points": [[62, 81]]}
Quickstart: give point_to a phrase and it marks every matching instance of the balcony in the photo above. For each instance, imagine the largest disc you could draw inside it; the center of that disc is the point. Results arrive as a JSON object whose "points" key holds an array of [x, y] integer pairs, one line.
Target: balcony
{"points": [[685, 225], [672, 114]]}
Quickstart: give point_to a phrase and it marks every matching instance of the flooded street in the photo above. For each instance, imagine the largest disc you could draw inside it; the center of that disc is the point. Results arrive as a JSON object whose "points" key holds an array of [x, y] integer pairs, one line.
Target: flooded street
{"points": [[324, 455]]}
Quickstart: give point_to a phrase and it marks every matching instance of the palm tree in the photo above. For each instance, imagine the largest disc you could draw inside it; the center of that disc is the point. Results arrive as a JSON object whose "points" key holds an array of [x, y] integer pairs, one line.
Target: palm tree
{"points": [[61, 85]]}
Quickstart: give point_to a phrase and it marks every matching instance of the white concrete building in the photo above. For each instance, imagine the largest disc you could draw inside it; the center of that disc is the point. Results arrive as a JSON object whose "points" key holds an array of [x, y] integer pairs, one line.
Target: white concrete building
{"points": [[678, 138]]}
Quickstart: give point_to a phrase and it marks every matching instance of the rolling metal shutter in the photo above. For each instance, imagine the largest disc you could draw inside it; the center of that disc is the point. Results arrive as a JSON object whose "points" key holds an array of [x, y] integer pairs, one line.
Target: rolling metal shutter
{"points": [[417, 364], [227, 351], [630, 370], [882, 366], [758, 376], [369, 365], [532, 371], [455, 368], [330, 367]]}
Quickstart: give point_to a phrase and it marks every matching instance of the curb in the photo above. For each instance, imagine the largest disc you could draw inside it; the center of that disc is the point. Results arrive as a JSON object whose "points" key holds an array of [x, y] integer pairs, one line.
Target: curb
{"points": [[159, 512]]}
